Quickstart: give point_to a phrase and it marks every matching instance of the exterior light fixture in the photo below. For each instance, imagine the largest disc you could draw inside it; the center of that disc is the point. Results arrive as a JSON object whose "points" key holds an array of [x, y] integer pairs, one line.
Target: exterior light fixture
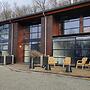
{"points": [[20, 46]]}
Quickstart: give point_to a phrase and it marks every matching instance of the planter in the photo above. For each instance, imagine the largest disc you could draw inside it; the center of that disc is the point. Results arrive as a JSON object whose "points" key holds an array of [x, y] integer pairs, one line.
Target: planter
{"points": [[43, 62], [8, 60], [1, 59]]}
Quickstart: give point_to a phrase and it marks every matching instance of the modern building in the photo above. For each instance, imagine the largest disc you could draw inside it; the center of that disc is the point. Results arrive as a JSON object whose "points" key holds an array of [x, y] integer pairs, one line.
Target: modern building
{"points": [[61, 32]]}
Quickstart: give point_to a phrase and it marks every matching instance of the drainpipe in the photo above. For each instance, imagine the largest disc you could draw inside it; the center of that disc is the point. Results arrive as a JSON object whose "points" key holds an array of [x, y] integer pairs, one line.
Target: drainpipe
{"points": [[12, 39], [45, 51]]}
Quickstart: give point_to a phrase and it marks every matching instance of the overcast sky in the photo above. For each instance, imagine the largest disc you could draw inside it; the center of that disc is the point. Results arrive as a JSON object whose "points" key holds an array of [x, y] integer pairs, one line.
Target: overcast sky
{"points": [[19, 2]]}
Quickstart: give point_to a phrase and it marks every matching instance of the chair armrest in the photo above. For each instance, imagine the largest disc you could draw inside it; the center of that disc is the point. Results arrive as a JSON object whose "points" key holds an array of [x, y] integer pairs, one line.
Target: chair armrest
{"points": [[79, 61]]}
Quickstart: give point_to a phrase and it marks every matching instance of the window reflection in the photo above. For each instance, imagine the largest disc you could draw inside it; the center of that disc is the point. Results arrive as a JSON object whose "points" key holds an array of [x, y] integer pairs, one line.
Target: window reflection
{"points": [[77, 48], [71, 26], [35, 36], [86, 24]]}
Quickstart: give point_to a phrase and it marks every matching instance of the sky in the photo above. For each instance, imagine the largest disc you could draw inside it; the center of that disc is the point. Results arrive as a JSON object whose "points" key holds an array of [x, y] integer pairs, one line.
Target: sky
{"points": [[19, 2]]}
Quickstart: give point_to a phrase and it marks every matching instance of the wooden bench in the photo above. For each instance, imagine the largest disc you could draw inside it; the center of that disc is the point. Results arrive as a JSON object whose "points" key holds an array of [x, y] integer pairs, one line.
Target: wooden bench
{"points": [[51, 61]]}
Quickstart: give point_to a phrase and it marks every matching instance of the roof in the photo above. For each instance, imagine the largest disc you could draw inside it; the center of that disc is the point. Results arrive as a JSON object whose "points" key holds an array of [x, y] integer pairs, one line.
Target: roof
{"points": [[51, 11]]}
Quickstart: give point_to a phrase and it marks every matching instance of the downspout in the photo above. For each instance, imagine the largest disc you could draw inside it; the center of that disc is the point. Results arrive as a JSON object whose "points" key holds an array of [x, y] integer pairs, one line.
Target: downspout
{"points": [[12, 39], [45, 51]]}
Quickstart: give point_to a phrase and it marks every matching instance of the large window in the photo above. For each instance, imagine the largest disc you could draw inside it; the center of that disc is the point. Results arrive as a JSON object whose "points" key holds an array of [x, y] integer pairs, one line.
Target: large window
{"points": [[35, 36], [76, 47], [86, 24], [4, 37], [71, 26]]}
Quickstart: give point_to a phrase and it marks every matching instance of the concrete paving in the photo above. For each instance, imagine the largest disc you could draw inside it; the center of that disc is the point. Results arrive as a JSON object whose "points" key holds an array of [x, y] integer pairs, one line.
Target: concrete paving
{"points": [[20, 80]]}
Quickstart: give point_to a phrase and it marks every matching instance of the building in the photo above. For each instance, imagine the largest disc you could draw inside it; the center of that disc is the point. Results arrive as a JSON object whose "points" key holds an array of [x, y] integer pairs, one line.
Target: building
{"points": [[65, 33]]}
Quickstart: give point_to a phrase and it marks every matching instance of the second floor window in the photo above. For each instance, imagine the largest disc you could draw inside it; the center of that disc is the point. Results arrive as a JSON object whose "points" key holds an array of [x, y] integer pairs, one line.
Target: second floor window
{"points": [[71, 26], [86, 24]]}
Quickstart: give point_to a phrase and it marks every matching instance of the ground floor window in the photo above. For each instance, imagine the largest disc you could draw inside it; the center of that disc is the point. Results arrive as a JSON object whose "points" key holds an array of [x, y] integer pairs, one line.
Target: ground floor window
{"points": [[76, 47], [33, 40], [4, 37]]}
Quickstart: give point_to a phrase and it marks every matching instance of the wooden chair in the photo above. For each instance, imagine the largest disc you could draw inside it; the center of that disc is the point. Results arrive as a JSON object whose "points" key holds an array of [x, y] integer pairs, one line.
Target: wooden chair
{"points": [[51, 61], [87, 65], [81, 62], [67, 61]]}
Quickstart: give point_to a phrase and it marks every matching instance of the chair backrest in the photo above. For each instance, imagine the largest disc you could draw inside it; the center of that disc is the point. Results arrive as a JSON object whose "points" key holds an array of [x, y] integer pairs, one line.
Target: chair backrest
{"points": [[84, 59], [51, 60], [67, 61]]}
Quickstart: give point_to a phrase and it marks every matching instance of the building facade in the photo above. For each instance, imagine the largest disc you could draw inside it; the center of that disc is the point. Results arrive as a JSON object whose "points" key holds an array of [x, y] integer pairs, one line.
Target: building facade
{"points": [[60, 32]]}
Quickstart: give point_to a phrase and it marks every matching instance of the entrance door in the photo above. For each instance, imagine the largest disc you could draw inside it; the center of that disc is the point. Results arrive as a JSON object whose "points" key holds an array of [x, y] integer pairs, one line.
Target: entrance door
{"points": [[27, 53]]}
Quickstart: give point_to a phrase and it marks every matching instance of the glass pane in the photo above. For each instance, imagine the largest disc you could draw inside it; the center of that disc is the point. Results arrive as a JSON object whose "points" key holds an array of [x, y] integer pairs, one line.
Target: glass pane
{"points": [[71, 31], [4, 36], [34, 35], [6, 26], [58, 45], [86, 22], [71, 24], [68, 45], [70, 53], [57, 53], [5, 47], [86, 29], [27, 53], [59, 60]]}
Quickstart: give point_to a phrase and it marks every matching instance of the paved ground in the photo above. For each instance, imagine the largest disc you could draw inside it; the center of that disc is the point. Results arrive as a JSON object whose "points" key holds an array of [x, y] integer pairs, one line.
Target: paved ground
{"points": [[15, 80], [85, 73]]}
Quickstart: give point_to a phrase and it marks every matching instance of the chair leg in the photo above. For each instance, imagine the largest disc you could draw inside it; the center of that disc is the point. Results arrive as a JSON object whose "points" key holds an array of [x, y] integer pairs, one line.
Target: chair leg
{"points": [[54, 65], [76, 66], [63, 65], [82, 67]]}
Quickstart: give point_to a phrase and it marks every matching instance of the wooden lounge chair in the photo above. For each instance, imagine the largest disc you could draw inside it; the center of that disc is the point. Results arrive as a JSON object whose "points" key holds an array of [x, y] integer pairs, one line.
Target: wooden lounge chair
{"points": [[81, 62], [51, 61], [67, 61]]}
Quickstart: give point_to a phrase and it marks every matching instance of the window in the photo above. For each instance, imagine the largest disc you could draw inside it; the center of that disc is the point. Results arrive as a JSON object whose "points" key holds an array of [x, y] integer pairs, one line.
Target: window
{"points": [[86, 24], [4, 37], [71, 26], [35, 36]]}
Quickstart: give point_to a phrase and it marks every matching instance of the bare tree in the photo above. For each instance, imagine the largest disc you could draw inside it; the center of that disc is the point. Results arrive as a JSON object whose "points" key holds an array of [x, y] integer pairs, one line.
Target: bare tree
{"points": [[41, 4], [6, 11], [35, 7], [21, 11], [53, 3]]}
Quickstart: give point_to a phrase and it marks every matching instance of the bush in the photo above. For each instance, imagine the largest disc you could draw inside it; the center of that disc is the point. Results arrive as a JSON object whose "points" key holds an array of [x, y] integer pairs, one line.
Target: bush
{"points": [[35, 53]]}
